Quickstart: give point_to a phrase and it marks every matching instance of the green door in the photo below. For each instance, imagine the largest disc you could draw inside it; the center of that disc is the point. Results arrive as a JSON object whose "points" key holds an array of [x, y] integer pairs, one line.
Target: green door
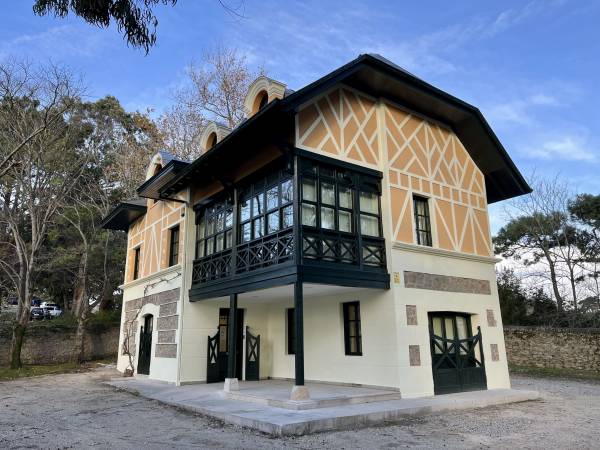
{"points": [[456, 354]]}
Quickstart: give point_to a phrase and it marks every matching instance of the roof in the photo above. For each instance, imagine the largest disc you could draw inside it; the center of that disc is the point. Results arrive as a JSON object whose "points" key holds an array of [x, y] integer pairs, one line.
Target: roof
{"points": [[379, 77], [172, 166], [124, 214]]}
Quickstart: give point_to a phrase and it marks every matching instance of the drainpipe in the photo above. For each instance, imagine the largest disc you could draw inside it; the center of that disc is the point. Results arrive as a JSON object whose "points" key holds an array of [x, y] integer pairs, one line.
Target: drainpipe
{"points": [[182, 289]]}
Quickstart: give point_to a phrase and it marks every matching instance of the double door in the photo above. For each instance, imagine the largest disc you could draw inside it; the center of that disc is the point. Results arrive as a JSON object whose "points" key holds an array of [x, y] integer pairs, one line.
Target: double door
{"points": [[456, 354]]}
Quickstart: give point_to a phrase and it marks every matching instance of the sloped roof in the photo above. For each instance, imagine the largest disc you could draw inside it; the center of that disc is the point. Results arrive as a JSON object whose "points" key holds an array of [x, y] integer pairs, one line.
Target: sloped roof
{"points": [[124, 214], [379, 77]]}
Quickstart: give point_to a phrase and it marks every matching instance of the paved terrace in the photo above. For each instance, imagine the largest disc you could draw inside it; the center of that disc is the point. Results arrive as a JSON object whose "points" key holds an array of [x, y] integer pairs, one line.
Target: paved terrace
{"points": [[264, 405]]}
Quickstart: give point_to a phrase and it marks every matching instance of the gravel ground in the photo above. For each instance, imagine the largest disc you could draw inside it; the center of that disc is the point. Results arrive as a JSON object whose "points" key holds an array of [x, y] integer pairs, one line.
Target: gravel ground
{"points": [[77, 411]]}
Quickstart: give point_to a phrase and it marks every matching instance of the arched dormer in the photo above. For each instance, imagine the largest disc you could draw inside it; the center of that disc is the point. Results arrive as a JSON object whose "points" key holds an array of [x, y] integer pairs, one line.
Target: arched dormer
{"points": [[213, 134], [156, 164], [262, 91]]}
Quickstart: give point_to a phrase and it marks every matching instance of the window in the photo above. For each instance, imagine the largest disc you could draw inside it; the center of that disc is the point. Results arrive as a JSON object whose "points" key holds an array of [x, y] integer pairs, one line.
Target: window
{"points": [[330, 200], [291, 331], [214, 231], [422, 223], [136, 263], [352, 336], [265, 208], [174, 246]]}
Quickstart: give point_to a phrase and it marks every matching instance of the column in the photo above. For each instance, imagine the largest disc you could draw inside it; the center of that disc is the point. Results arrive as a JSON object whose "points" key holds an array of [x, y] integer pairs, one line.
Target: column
{"points": [[231, 382], [299, 391]]}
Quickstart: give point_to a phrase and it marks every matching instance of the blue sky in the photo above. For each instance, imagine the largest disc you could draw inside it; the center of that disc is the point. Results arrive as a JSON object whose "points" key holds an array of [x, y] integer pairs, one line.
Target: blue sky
{"points": [[531, 67]]}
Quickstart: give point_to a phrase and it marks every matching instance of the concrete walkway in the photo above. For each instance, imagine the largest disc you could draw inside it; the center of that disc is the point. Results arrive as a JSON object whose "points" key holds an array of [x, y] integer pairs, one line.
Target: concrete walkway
{"points": [[209, 400]]}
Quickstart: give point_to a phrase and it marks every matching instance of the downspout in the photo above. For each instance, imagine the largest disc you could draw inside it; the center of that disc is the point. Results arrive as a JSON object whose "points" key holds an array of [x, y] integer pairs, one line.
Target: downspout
{"points": [[182, 290]]}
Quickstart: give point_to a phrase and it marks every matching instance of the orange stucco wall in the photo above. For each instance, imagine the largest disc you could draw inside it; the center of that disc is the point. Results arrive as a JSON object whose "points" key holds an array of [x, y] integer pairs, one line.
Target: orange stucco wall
{"points": [[418, 156], [151, 234]]}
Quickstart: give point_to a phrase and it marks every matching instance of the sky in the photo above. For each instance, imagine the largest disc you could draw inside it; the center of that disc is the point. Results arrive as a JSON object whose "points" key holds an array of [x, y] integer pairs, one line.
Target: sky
{"points": [[530, 67]]}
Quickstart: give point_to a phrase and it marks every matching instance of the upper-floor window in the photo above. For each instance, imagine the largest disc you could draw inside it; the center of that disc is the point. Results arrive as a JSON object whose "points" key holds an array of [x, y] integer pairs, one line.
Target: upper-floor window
{"points": [[422, 221], [333, 199], [214, 231], [266, 207], [136, 263], [174, 246]]}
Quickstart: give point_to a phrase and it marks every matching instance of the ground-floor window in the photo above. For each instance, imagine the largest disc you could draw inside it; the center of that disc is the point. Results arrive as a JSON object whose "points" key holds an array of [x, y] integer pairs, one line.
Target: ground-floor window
{"points": [[352, 335], [291, 331]]}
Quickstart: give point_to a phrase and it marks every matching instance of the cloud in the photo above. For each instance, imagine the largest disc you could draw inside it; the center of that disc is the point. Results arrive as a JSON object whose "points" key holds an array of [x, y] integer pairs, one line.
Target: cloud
{"points": [[565, 148]]}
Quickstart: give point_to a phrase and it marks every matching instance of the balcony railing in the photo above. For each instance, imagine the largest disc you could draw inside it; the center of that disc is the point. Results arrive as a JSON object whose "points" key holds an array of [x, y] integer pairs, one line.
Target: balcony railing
{"points": [[268, 251], [317, 246]]}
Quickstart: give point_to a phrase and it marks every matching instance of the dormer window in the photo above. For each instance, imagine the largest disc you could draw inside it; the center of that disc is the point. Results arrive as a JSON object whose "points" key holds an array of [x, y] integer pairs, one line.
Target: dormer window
{"points": [[211, 141], [261, 100]]}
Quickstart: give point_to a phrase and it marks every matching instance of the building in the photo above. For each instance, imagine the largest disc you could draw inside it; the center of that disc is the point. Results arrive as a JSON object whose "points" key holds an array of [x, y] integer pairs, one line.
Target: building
{"points": [[339, 234]]}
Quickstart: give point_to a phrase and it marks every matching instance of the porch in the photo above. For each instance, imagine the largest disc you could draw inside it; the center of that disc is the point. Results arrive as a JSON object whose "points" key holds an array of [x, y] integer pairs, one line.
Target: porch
{"points": [[340, 406]]}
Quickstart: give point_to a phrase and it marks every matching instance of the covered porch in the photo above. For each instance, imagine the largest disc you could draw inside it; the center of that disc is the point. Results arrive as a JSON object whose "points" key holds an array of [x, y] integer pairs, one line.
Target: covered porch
{"points": [[298, 337]]}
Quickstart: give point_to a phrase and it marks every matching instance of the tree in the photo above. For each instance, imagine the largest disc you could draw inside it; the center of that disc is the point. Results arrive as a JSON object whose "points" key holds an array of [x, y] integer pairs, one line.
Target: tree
{"points": [[541, 235], [32, 191], [52, 92], [513, 301], [135, 19], [215, 91]]}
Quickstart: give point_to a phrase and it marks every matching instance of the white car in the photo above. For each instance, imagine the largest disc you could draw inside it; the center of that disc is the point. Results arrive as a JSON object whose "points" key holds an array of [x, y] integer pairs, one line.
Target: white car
{"points": [[52, 310]]}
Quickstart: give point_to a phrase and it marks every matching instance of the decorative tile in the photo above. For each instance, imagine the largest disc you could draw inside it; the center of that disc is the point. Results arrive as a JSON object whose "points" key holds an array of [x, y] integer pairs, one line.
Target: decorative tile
{"points": [[491, 320], [495, 352], [411, 315], [414, 355], [166, 351], [420, 280]]}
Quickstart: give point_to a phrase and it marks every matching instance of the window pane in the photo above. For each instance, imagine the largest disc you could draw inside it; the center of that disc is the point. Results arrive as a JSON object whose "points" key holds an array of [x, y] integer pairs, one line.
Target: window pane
{"points": [[309, 215], [273, 198], [200, 249], [345, 221], [229, 238], [368, 202], [327, 218], [288, 216], [345, 196], [327, 194], [201, 228], [258, 227], [246, 232], [245, 210], [210, 225], [220, 222], [287, 191], [209, 246], [273, 222], [258, 205], [229, 218], [369, 225], [309, 190], [220, 238]]}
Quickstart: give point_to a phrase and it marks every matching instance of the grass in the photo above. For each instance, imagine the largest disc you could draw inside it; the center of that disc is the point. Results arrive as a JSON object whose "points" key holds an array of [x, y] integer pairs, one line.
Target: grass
{"points": [[547, 372], [7, 374]]}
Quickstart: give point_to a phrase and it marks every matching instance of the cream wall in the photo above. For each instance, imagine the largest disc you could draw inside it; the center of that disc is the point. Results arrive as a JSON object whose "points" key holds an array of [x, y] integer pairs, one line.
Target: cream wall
{"points": [[160, 368]]}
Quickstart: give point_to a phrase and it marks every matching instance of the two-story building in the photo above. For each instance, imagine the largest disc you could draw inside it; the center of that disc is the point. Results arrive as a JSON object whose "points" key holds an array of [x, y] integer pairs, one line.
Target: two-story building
{"points": [[339, 234]]}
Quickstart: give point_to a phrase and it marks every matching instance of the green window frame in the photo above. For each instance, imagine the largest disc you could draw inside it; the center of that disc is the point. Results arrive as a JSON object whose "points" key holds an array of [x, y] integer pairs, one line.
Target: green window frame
{"points": [[422, 221], [136, 263], [352, 331], [214, 231], [174, 246]]}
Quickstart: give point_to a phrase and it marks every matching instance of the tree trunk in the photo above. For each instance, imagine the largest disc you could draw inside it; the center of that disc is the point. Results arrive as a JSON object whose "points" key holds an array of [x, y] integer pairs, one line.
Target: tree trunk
{"points": [[16, 345], [80, 307], [79, 350], [559, 299]]}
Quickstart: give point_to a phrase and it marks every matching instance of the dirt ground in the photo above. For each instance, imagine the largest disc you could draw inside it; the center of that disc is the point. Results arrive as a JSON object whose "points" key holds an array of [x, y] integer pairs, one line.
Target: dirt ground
{"points": [[77, 411]]}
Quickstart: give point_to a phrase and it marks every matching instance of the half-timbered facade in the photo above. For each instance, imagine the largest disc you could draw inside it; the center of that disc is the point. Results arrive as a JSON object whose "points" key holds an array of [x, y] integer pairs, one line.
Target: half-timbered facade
{"points": [[339, 234]]}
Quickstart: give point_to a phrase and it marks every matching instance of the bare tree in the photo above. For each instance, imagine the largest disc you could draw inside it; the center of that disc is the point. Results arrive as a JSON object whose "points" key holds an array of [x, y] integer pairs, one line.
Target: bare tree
{"points": [[215, 91], [50, 87], [541, 236], [34, 185]]}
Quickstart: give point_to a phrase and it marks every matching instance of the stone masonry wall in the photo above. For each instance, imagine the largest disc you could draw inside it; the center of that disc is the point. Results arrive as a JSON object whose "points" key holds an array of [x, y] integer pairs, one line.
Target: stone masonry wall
{"points": [[55, 347], [558, 348]]}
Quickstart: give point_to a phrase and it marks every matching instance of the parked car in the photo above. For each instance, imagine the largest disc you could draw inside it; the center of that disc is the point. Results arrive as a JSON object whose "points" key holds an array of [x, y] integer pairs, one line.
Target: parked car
{"points": [[51, 311], [37, 314]]}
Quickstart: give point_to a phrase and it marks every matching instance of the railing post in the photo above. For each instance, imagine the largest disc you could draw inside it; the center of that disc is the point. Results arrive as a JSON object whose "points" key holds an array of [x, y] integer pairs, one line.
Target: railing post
{"points": [[234, 234]]}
